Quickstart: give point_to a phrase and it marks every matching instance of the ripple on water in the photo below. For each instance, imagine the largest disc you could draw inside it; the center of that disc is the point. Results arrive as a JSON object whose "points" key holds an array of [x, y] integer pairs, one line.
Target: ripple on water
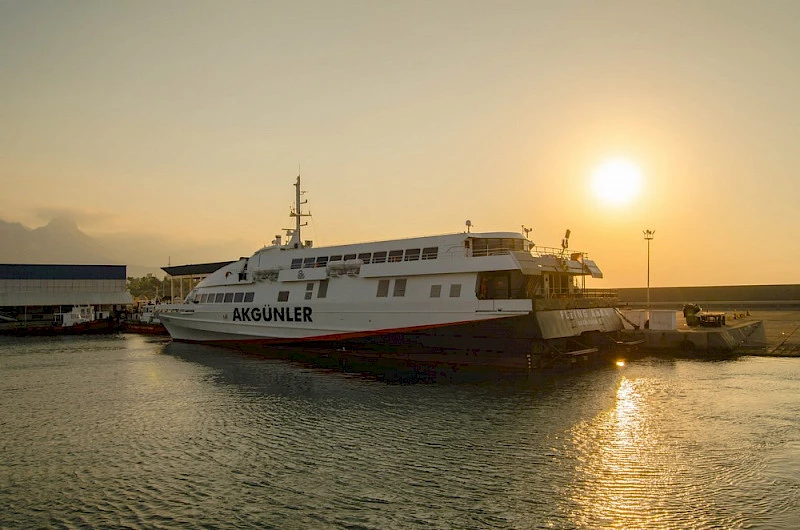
{"points": [[127, 432]]}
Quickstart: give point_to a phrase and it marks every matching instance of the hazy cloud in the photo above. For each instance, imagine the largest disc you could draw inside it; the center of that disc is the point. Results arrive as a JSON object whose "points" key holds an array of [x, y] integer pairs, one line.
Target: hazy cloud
{"points": [[86, 219]]}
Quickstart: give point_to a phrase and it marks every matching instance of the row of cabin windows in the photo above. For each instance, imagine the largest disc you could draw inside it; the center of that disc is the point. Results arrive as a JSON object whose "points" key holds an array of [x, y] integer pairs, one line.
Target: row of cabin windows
{"points": [[392, 256], [491, 246], [283, 296], [400, 289], [455, 290], [226, 298]]}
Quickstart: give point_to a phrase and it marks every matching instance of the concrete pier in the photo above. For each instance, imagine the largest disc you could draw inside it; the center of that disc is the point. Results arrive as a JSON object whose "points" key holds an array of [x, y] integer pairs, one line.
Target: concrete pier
{"points": [[739, 332]]}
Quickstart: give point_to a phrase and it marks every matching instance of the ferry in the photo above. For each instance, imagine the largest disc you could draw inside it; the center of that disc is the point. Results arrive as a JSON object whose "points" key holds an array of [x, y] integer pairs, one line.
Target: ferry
{"points": [[492, 298]]}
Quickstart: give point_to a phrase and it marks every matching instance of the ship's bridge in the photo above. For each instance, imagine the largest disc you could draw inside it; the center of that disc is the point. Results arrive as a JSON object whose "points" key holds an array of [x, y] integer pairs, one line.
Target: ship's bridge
{"points": [[549, 276]]}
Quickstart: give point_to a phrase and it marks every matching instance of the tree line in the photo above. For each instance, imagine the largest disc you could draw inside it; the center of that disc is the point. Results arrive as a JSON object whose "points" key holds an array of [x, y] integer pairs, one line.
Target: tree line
{"points": [[159, 289], [149, 286]]}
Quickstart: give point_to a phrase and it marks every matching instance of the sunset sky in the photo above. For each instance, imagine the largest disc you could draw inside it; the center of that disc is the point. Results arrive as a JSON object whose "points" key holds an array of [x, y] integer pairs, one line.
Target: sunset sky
{"points": [[189, 119]]}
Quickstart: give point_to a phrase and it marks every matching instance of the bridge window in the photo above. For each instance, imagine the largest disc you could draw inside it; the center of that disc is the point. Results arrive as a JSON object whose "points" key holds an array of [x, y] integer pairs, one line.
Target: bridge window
{"points": [[399, 287], [412, 254], [395, 256], [349, 256], [338, 257], [322, 261], [379, 257], [430, 253], [309, 262], [365, 257], [383, 288], [248, 297], [494, 246], [297, 263], [238, 297], [436, 291], [228, 298]]}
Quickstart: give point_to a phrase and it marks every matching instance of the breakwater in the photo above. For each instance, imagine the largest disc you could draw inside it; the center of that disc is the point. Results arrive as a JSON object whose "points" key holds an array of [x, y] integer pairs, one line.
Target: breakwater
{"points": [[715, 297]]}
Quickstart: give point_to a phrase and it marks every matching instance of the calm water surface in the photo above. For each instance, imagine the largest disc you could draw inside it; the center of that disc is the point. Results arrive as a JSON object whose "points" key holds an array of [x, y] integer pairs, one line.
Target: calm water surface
{"points": [[135, 432]]}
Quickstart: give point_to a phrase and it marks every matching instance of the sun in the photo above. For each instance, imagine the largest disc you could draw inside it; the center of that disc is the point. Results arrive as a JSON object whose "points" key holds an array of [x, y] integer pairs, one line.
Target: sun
{"points": [[616, 181]]}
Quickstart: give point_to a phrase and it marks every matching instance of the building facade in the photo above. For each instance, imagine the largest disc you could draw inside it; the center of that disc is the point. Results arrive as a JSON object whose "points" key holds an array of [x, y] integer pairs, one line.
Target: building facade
{"points": [[30, 293]]}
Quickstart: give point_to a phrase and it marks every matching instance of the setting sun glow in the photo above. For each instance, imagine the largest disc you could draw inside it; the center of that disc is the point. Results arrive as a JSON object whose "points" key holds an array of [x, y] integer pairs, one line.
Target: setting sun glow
{"points": [[616, 181]]}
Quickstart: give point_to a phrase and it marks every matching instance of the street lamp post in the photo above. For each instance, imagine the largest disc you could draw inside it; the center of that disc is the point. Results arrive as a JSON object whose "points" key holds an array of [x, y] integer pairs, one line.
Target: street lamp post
{"points": [[648, 236]]}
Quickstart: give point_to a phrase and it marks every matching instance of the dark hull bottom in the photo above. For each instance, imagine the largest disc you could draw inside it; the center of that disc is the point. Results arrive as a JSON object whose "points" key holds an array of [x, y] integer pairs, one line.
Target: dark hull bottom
{"points": [[507, 345], [39, 330], [144, 329]]}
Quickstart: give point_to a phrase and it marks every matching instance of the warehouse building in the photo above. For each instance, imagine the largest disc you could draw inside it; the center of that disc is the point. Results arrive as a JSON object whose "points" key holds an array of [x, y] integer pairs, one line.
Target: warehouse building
{"points": [[40, 293]]}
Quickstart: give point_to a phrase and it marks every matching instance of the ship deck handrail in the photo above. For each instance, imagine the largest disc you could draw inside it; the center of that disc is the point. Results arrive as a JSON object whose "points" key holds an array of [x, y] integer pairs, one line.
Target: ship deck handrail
{"points": [[519, 294], [535, 251]]}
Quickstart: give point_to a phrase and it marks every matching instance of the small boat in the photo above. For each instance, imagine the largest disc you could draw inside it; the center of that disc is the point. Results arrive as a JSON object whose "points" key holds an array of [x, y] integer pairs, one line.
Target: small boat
{"points": [[145, 322], [79, 320]]}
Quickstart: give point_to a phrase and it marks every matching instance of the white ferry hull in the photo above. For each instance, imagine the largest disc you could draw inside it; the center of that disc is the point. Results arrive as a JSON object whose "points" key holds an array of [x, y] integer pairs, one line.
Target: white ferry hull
{"points": [[320, 324], [513, 333]]}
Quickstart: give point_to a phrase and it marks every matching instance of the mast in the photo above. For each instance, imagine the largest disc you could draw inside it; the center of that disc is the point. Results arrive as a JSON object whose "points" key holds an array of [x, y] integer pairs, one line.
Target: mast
{"points": [[298, 214]]}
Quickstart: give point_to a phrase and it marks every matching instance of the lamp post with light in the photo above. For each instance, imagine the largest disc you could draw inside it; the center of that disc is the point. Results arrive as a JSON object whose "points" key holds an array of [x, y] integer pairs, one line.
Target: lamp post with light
{"points": [[648, 236]]}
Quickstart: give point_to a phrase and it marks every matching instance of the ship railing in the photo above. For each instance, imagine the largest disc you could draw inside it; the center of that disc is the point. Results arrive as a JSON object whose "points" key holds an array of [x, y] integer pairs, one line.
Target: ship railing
{"points": [[535, 251], [581, 293], [518, 294], [495, 251], [559, 252]]}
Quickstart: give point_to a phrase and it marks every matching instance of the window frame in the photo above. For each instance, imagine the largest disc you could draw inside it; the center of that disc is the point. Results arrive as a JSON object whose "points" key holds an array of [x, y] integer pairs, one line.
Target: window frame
{"points": [[430, 253], [383, 288], [412, 254], [322, 291]]}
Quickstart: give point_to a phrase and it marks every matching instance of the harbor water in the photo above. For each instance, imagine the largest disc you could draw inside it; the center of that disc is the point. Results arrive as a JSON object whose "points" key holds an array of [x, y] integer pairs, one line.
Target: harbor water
{"points": [[138, 432]]}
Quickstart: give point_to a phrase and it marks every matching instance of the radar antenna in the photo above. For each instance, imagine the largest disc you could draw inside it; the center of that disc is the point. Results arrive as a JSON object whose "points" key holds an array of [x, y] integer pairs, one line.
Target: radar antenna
{"points": [[298, 214], [527, 231], [565, 241]]}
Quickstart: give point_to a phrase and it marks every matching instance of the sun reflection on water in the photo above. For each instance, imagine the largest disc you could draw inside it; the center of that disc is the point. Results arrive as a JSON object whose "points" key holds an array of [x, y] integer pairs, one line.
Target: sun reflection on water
{"points": [[621, 464]]}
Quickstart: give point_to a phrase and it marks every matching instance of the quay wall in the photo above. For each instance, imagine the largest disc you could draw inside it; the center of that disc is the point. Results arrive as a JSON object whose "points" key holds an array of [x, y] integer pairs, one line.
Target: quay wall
{"points": [[722, 297]]}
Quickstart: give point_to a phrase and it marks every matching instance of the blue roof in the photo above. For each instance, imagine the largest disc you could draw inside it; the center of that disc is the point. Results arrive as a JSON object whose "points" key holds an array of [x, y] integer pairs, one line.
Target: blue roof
{"points": [[61, 272]]}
